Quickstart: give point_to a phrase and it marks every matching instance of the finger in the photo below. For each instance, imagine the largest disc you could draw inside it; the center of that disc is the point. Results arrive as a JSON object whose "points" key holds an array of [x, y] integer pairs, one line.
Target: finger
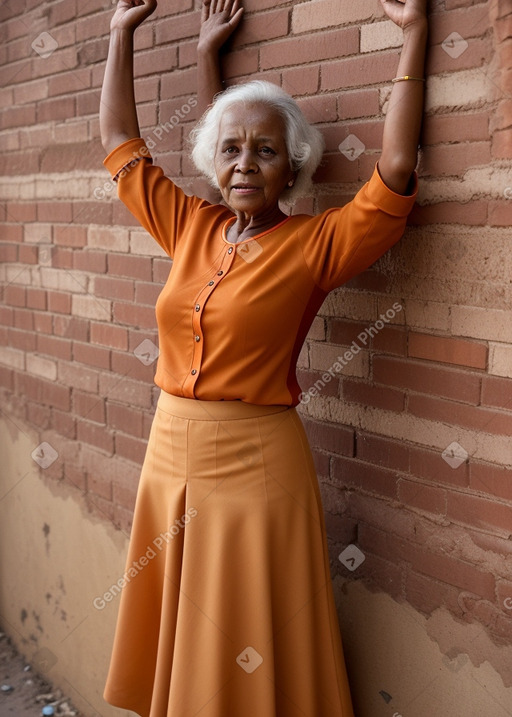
{"points": [[234, 21], [213, 8], [235, 7]]}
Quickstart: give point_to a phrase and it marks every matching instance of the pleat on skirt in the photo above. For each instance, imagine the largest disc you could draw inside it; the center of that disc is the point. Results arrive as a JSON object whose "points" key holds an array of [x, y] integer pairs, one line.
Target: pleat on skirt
{"points": [[227, 607]]}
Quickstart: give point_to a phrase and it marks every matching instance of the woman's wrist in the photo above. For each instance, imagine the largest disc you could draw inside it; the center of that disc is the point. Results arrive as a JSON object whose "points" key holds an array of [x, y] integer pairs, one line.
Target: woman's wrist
{"points": [[418, 28], [206, 50]]}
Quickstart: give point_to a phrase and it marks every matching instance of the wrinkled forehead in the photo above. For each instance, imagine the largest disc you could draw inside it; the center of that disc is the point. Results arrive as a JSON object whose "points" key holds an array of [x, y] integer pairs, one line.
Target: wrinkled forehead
{"points": [[252, 120]]}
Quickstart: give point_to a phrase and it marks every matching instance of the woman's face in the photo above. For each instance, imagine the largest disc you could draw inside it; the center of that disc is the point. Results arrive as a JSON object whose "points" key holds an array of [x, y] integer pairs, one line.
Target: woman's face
{"points": [[251, 159]]}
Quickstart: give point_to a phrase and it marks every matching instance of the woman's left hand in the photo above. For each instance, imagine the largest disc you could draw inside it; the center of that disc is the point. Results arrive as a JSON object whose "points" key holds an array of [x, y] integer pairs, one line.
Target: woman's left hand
{"points": [[219, 20], [406, 13]]}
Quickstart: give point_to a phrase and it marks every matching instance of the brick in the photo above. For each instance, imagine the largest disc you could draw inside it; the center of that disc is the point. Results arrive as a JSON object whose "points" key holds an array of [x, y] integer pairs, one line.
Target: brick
{"points": [[111, 288], [499, 213], [382, 451], [7, 379], [62, 12], [500, 359], [240, 63], [92, 355], [39, 416], [448, 350], [127, 364], [24, 319], [380, 36], [452, 413], [61, 258], [504, 595], [90, 406], [43, 392], [491, 479], [454, 159], [70, 235], [23, 340], [155, 61], [358, 103], [391, 341], [107, 335], [370, 395], [101, 485], [461, 127], [71, 328], [95, 435], [12, 358], [30, 91], [55, 109], [133, 449], [301, 80], [50, 212], [91, 307], [43, 322], [470, 214], [318, 14], [463, 88], [59, 302], [15, 295], [427, 595], [133, 267], [123, 389], [422, 378], [482, 513], [307, 380], [418, 495], [497, 392], [73, 374], [124, 484], [430, 465], [480, 323], [331, 438], [91, 261], [458, 573], [39, 366], [110, 239], [313, 48], [369, 478], [356, 72], [124, 418], [142, 243], [72, 132], [134, 315], [52, 346]]}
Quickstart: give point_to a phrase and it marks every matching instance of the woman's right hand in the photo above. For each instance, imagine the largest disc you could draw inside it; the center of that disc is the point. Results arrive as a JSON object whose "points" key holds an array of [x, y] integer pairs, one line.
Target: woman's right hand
{"points": [[130, 14]]}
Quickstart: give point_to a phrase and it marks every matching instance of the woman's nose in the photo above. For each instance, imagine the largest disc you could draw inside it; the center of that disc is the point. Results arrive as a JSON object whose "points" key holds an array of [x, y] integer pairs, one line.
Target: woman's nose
{"points": [[246, 162]]}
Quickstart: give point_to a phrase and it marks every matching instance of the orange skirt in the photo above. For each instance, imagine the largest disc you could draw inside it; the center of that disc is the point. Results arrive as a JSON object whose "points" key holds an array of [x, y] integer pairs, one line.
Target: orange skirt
{"points": [[227, 606]]}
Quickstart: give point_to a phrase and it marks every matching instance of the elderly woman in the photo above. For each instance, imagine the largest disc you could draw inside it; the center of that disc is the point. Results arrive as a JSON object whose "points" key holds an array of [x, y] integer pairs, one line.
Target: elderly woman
{"points": [[227, 607]]}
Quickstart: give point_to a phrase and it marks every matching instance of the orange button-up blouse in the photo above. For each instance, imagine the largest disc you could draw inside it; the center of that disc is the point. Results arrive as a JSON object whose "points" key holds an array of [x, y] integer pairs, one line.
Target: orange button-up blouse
{"points": [[232, 318]]}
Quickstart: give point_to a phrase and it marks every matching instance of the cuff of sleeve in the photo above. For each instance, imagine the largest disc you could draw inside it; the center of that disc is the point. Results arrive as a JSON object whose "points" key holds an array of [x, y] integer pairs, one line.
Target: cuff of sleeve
{"points": [[127, 153], [398, 205]]}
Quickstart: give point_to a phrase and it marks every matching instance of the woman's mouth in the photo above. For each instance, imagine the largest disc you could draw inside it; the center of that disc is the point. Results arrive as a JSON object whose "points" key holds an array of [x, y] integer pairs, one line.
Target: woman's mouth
{"points": [[244, 189]]}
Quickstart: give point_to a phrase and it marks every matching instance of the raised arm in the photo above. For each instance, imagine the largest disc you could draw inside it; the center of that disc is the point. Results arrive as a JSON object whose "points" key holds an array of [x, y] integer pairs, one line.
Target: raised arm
{"points": [[403, 119], [118, 113], [219, 20]]}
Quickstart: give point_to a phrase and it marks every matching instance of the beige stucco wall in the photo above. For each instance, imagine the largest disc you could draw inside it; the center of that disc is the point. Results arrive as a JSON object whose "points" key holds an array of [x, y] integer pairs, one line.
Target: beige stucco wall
{"points": [[56, 558]]}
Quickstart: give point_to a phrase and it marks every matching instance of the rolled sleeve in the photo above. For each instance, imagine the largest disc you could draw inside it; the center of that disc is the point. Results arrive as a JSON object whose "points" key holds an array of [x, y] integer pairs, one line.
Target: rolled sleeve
{"points": [[126, 156], [343, 242]]}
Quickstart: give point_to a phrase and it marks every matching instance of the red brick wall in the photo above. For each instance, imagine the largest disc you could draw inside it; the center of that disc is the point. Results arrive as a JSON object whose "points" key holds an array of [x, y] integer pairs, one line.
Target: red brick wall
{"points": [[80, 278]]}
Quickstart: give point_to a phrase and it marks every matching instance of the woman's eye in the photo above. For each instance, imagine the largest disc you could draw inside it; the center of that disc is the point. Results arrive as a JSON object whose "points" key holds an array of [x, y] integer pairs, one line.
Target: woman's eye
{"points": [[267, 150], [230, 150]]}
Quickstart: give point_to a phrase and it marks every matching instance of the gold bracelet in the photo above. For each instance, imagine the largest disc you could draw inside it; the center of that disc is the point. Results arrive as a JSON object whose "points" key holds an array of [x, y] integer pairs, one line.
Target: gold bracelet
{"points": [[407, 77]]}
